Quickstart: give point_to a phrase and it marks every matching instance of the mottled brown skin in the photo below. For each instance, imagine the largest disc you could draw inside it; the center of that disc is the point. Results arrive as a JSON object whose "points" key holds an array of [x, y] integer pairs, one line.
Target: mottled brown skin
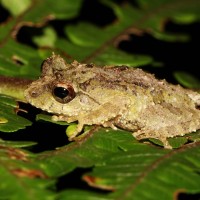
{"points": [[111, 96]]}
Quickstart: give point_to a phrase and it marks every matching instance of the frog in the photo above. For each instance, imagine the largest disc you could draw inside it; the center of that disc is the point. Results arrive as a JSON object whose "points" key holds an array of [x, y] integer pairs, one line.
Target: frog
{"points": [[116, 97]]}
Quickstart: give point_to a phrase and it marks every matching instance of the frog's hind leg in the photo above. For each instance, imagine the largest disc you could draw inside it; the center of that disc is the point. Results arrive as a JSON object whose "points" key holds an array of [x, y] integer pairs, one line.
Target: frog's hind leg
{"points": [[166, 121], [163, 133], [144, 134]]}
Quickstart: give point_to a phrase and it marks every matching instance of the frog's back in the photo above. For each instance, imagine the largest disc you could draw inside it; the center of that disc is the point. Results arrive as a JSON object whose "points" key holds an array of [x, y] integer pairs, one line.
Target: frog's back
{"points": [[134, 80]]}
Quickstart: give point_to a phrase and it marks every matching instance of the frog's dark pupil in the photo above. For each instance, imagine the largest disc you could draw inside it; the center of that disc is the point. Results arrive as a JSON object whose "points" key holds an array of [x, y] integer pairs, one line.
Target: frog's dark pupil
{"points": [[61, 92]]}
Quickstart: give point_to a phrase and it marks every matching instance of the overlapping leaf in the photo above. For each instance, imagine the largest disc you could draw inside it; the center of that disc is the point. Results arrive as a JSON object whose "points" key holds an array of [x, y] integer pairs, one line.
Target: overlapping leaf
{"points": [[143, 175], [9, 121], [20, 176], [126, 168]]}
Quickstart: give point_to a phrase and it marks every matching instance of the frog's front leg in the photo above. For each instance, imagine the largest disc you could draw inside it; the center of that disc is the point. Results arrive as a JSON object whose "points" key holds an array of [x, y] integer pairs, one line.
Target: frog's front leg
{"points": [[99, 116], [70, 119]]}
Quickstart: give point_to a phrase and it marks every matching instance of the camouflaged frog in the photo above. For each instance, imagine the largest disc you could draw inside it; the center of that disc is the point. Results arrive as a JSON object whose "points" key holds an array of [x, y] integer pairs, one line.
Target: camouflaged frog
{"points": [[123, 97]]}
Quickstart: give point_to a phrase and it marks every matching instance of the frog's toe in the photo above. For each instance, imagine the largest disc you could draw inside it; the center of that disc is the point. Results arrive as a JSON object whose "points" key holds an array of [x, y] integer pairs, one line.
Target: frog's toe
{"points": [[142, 134], [145, 134]]}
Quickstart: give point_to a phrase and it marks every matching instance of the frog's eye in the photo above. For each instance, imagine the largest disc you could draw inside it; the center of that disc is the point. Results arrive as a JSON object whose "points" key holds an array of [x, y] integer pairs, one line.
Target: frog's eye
{"points": [[63, 93]]}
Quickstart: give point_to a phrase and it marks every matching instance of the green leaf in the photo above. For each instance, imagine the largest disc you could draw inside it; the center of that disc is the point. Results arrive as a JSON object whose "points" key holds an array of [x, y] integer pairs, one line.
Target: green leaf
{"points": [[48, 118], [78, 154], [81, 195], [48, 9], [16, 7], [195, 137], [176, 142], [21, 177], [17, 144], [171, 37], [126, 167], [48, 38], [20, 62], [116, 57], [81, 36], [9, 120], [187, 79]]}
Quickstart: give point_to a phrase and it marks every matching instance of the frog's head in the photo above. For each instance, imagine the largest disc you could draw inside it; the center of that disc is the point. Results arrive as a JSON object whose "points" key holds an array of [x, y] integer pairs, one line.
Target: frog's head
{"points": [[49, 94], [56, 91]]}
